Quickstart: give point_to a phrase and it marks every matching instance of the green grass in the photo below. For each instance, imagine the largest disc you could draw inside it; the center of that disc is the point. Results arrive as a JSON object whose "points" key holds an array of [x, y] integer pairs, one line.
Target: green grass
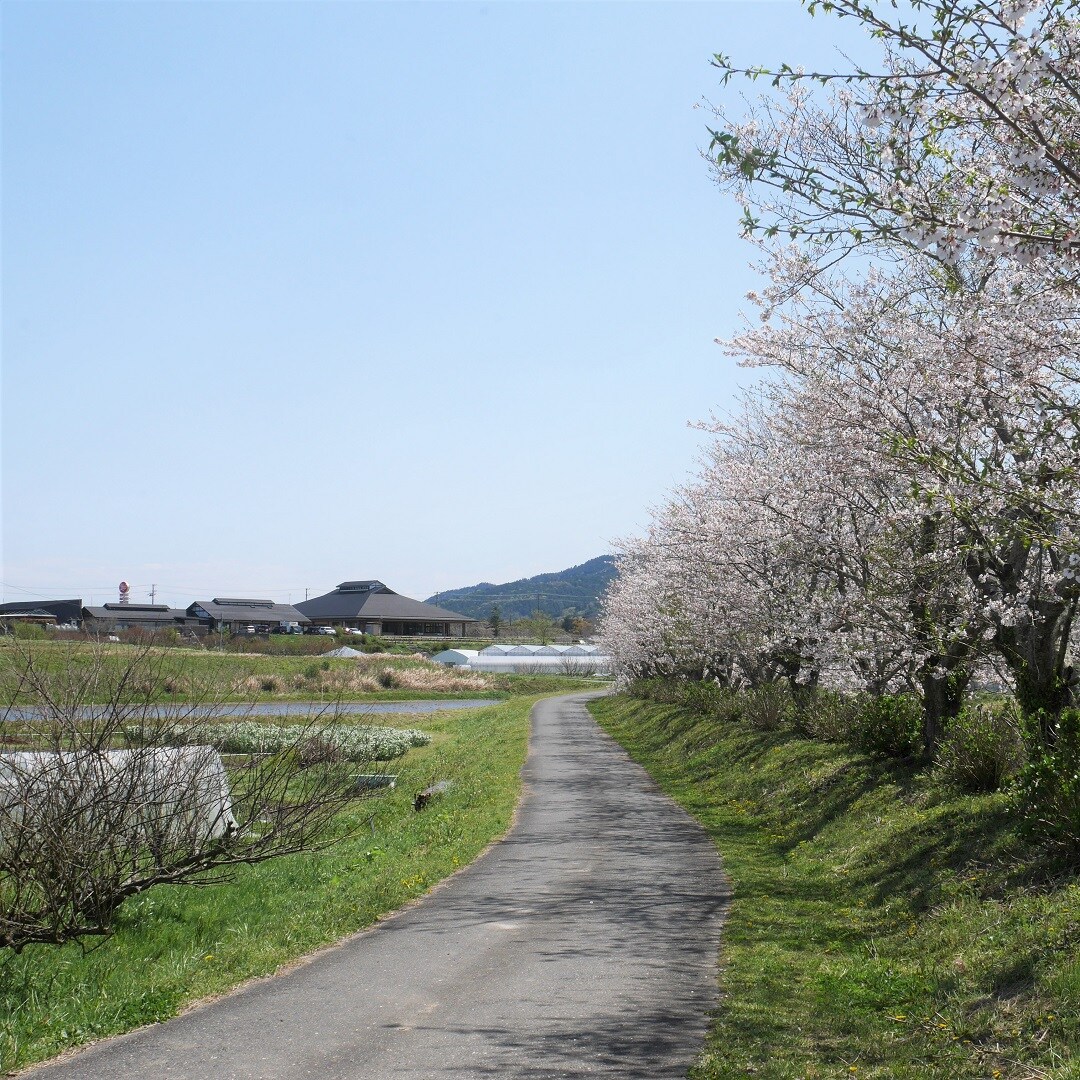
{"points": [[881, 926], [175, 945]]}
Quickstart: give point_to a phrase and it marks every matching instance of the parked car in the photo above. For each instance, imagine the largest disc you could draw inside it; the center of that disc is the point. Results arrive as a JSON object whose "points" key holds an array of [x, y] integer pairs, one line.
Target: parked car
{"points": [[329, 631]]}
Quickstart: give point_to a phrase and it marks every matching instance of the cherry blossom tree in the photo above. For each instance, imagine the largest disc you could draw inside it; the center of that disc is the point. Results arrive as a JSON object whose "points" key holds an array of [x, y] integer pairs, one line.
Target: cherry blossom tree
{"points": [[967, 132], [974, 401], [899, 500], [964, 146], [883, 605]]}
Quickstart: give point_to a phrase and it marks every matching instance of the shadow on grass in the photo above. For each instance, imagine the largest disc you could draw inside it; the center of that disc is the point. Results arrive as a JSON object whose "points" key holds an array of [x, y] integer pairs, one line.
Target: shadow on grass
{"points": [[881, 920]]}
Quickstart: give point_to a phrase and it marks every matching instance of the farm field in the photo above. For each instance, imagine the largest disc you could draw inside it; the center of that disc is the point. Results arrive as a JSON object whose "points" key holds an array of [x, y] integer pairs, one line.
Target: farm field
{"points": [[180, 674]]}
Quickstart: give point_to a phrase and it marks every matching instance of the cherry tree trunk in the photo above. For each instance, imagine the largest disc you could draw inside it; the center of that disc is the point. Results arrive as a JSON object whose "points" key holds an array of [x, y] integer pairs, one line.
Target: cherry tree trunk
{"points": [[1036, 654]]}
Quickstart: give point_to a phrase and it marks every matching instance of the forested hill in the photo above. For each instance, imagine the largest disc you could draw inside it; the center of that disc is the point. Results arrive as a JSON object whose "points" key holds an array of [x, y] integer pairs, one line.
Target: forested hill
{"points": [[575, 591]]}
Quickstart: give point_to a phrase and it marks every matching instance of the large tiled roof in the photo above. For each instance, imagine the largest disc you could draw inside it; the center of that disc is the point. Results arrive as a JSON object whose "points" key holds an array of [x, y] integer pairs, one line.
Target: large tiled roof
{"points": [[351, 601], [158, 613], [230, 609], [67, 611]]}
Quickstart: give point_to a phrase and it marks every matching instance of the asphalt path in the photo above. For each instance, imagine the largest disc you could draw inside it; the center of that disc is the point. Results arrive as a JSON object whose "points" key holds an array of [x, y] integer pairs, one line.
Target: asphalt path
{"points": [[582, 944]]}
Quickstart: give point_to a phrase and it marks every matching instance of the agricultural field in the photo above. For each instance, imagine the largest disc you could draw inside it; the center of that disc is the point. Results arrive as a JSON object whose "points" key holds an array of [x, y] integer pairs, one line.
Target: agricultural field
{"points": [[187, 675]]}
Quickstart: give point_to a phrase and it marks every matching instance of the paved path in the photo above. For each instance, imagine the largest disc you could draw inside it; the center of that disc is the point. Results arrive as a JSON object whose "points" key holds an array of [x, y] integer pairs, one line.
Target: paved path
{"points": [[583, 944]]}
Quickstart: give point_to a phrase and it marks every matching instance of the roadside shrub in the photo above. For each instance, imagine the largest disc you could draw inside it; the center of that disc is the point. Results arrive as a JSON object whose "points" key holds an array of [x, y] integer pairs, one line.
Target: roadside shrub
{"points": [[887, 725], [29, 632], [825, 714], [707, 698], [388, 679], [1048, 786], [270, 684], [768, 707], [982, 749], [664, 691]]}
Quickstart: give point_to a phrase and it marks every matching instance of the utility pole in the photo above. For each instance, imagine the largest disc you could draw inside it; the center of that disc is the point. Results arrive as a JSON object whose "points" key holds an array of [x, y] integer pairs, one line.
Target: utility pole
{"points": [[305, 593], [153, 593]]}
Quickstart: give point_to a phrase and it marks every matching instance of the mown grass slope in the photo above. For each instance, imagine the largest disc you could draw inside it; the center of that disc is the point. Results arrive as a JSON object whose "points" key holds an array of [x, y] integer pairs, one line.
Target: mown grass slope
{"points": [[881, 925]]}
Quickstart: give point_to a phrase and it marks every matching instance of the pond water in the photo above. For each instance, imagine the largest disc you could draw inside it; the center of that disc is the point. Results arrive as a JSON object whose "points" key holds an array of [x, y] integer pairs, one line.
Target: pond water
{"points": [[250, 710]]}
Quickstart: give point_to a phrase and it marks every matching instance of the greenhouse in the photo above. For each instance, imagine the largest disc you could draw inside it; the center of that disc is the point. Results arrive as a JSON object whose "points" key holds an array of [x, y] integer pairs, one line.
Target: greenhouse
{"points": [[530, 659], [456, 657]]}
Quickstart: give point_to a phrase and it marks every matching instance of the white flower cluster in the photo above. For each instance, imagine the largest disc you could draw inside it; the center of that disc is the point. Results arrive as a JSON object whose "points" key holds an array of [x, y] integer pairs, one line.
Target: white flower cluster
{"points": [[901, 503], [248, 737], [971, 137]]}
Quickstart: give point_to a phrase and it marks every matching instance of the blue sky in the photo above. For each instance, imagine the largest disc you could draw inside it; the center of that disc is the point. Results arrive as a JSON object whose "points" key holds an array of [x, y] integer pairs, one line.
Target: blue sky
{"points": [[295, 293]]}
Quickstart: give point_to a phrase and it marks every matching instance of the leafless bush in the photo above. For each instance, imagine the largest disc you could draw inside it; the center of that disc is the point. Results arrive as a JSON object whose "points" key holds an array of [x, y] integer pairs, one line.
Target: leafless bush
{"points": [[531, 667], [317, 749], [769, 706], [101, 800], [581, 666]]}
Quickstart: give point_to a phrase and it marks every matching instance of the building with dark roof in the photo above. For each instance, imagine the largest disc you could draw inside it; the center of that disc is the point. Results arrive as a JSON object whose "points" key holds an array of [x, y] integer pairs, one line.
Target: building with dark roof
{"points": [[236, 615], [375, 609], [111, 617], [68, 612], [34, 616]]}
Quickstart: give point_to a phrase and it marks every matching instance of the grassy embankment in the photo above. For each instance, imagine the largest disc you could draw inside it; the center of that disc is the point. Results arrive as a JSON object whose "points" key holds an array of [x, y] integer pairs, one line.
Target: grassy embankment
{"points": [[882, 926], [175, 945]]}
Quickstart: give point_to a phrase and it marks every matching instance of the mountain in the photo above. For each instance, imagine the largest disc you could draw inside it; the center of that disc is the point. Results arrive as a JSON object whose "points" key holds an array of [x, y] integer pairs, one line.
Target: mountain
{"points": [[576, 590]]}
